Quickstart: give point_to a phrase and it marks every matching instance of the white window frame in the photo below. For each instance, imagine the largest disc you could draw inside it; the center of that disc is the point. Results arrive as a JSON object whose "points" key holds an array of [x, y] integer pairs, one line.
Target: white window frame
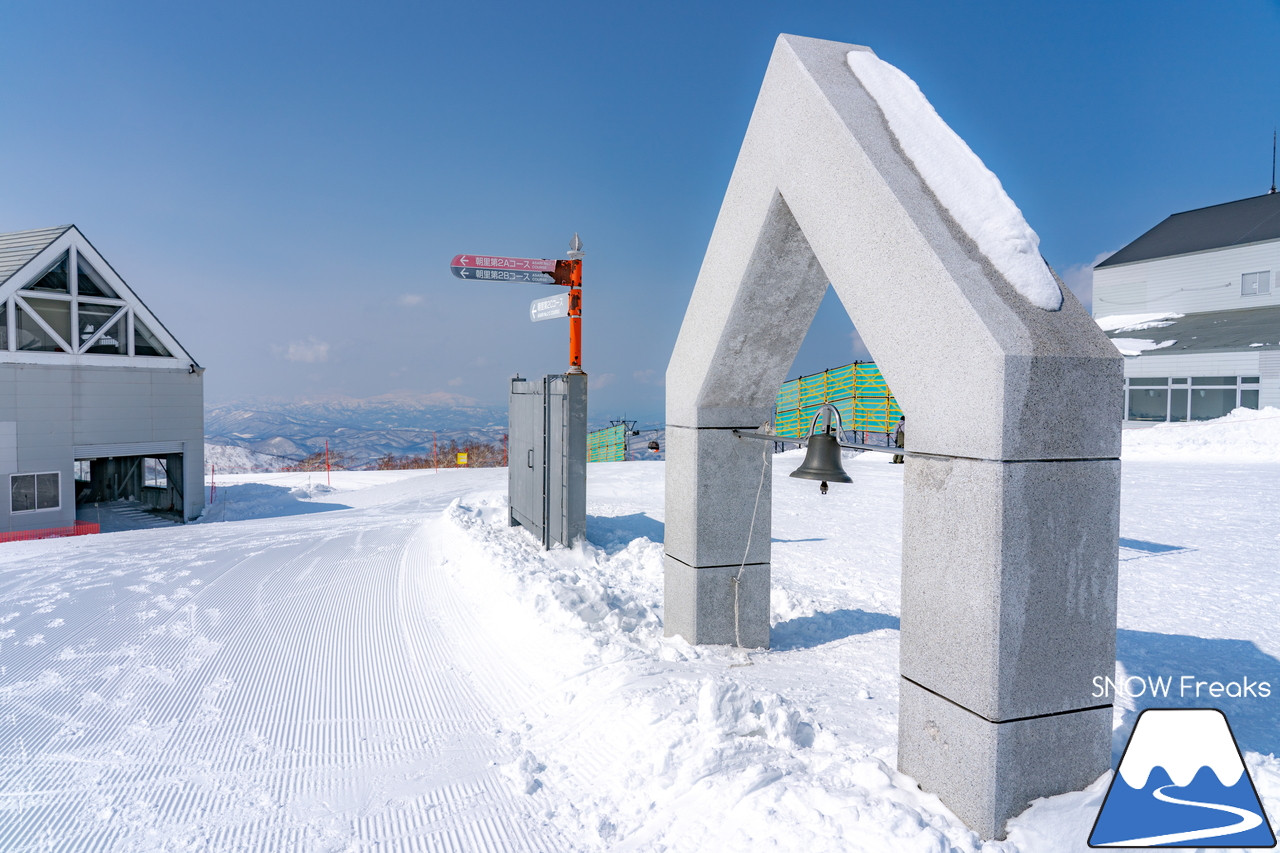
{"points": [[40, 321], [1255, 283], [75, 351], [33, 475]]}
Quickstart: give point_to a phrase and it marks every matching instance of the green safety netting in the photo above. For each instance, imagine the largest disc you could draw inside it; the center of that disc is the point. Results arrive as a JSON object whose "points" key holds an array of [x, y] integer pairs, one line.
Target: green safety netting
{"points": [[607, 445], [858, 392]]}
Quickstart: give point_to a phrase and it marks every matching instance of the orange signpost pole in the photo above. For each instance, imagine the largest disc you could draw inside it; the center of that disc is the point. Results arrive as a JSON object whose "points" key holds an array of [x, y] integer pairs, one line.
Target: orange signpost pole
{"points": [[575, 317]]}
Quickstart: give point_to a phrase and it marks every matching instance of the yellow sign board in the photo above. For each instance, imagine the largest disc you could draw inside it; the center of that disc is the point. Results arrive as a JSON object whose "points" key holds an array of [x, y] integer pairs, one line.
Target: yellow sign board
{"points": [[462, 459]]}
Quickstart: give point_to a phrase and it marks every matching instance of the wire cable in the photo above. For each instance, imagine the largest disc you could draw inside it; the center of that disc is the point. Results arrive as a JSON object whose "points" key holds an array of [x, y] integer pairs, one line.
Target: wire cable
{"points": [[737, 579]]}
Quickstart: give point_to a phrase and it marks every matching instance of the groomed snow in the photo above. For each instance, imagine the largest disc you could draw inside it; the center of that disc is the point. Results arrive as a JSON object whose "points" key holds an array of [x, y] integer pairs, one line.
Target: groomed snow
{"points": [[384, 664], [962, 183]]}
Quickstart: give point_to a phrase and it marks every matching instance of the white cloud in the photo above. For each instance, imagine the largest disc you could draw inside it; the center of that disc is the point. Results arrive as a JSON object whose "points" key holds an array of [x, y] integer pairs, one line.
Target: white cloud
{"points": [[455, 381], [309, 351], [410, 299], [600, 380], [1079, 279], [649, 377]]}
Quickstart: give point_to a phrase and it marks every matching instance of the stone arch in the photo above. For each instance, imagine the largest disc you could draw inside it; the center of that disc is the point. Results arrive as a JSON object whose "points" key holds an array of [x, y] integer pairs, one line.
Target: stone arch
{"points": [[1010, 526]]}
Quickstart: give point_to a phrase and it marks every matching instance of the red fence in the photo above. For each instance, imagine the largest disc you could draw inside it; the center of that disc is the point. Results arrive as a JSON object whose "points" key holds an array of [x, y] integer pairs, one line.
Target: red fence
{"points": [[81, 528]]}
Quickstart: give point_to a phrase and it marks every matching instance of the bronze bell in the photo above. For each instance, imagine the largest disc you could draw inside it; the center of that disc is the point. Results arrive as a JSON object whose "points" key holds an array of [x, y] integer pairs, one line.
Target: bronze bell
{"points": [[822, 461]]}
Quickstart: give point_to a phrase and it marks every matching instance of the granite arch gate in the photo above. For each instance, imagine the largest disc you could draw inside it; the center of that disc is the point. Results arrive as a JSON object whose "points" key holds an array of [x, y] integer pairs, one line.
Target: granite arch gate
{"points": [[1009, 554]]}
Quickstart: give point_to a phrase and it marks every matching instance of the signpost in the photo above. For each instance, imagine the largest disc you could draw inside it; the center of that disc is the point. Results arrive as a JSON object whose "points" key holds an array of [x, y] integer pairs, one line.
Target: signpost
{"points": [[547, 474], [549, 307], [537, 271], [490, 268]]}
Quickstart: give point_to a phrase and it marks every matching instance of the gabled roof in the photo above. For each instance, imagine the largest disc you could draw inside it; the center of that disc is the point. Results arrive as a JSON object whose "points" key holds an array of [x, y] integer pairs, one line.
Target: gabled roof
{"points": [[1236, 223], [26, 256], [1214, 331], [19, 247]]}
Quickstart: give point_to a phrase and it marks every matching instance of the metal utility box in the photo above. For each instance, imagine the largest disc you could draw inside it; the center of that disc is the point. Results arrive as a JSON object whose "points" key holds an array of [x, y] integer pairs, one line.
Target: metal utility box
{"points": [[547, 462]]}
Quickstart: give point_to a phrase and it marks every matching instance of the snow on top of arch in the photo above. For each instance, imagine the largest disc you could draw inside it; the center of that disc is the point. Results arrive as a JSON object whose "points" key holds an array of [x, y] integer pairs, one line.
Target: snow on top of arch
{"points": [[966, 187]]}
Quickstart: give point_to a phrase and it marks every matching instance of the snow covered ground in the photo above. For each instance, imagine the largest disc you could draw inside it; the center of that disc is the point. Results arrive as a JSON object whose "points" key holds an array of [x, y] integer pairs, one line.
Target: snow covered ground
{"points": [[383, 664]]}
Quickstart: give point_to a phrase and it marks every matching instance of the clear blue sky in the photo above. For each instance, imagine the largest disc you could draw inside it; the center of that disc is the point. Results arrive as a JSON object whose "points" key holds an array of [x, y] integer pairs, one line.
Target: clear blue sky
{"points": [[284, 182]]}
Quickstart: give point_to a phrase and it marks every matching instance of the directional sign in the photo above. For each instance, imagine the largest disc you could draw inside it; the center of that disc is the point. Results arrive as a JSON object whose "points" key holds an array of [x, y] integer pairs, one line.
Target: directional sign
{"points": [[491, 263], [549, 308], [487, 274]]}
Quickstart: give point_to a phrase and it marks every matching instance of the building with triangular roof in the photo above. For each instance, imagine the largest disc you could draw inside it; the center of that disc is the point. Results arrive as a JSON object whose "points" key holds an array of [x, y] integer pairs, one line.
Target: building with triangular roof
{"points": [[1194, 306], [98, 400]]}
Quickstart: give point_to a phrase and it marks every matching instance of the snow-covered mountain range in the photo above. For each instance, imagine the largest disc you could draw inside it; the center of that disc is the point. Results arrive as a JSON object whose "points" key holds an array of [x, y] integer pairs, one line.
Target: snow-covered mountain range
{"points": [[401, 424]]}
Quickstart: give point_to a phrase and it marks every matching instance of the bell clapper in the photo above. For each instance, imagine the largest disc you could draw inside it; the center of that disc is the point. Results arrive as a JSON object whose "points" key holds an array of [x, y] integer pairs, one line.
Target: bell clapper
{"points": [[823, 487]]}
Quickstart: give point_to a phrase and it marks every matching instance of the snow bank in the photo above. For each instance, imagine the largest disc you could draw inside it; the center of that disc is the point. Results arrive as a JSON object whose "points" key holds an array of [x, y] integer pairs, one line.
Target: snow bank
{"points": [[649, 743], [1245, 435], [966, 187]]}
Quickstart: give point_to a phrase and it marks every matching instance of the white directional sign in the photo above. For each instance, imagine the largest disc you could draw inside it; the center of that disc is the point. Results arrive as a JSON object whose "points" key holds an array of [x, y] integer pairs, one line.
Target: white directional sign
{"points": [[549, 307]]}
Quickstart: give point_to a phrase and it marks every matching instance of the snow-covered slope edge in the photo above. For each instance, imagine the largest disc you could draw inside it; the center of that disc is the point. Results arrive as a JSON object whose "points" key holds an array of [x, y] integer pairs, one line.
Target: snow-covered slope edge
{"points": [[657, 744]]}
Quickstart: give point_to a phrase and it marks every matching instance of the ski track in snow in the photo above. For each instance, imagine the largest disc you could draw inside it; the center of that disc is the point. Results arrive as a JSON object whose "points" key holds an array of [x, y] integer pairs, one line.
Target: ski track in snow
{"points": [[406, 672], [265, 685]]}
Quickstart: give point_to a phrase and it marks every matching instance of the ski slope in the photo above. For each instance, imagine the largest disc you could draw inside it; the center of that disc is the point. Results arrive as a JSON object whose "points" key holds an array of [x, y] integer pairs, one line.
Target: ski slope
{"points": [[382, 664]]}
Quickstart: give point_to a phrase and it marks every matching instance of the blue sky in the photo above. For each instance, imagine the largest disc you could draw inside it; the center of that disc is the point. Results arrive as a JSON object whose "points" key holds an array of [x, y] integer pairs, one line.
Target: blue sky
{"points": [[284, 184]]}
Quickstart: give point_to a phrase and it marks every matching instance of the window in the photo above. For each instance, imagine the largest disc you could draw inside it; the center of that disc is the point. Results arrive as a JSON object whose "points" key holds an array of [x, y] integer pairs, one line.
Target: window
{"points": [[1255, 283], [1148, 404], [32, 337], [42, 313], [88, 282], [1210, 403], [111, 341], [155, 474], [92, 317], [54, 279], [30, 492], [56, 314], [144, 342]]}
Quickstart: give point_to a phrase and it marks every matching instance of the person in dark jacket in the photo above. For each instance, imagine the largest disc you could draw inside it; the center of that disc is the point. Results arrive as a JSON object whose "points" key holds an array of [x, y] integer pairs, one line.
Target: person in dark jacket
{"points": [[900, 439]]}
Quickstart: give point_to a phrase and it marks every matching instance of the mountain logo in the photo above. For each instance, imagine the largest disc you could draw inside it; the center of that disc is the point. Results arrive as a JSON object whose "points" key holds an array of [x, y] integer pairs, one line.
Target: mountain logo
{"points": [[1182, 783]]}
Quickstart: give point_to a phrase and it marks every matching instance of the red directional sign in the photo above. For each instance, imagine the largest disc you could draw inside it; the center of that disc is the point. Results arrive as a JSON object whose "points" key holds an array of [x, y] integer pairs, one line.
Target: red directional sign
{"points": [[489, 262]]}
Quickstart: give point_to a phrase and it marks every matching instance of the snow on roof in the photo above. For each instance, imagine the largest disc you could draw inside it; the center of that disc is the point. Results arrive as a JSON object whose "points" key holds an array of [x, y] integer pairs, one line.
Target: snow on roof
{"points": [[1135, 322], [1137, 346], [966, 188], [1210, 331]]}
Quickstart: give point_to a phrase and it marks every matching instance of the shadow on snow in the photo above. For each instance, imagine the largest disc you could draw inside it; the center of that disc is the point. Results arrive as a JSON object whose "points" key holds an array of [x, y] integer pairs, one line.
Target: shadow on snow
{"points": [[1255, 720], [805, 632], [246, 501], [615, 532]]}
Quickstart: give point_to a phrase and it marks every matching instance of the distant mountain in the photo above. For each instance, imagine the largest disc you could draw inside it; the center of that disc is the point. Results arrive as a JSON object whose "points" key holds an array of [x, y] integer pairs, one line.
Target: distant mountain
{"points": [[401, 424]]}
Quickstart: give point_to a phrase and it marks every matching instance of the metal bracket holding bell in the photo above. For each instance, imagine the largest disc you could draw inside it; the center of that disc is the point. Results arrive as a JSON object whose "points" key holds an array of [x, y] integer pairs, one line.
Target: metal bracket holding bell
{"points": [[846, 445]]}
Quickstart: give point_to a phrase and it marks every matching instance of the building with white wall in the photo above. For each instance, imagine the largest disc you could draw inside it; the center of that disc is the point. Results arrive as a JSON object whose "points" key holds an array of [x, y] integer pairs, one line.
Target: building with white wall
{"points": [[98, 400], [1194, 305]]}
